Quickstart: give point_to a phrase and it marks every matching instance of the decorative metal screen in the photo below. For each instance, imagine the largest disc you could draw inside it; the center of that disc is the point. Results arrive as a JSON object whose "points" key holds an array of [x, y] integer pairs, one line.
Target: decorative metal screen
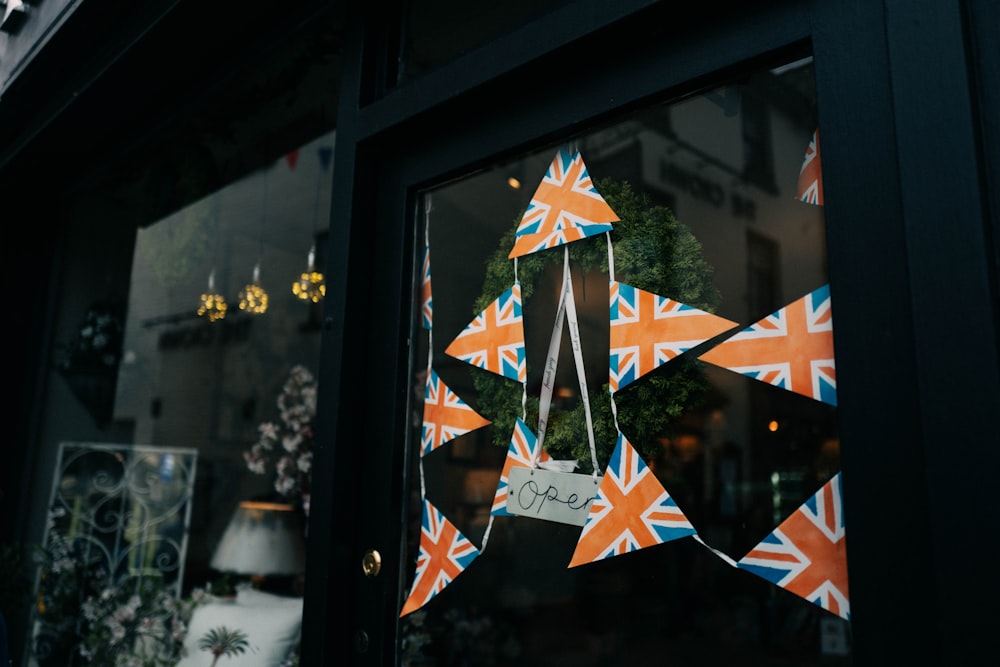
{"points": [[118, 519]]}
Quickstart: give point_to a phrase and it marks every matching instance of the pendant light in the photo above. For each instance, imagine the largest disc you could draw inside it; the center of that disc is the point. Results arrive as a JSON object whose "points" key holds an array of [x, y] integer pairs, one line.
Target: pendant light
{"points": [[213, 305], [253, 297], [311, 285]]}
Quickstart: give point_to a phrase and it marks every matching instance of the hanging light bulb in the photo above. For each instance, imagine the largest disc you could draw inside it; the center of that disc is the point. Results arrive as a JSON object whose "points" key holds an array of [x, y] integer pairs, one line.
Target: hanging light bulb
{"points": [[213, 305], [310, 285], [253, 297]]}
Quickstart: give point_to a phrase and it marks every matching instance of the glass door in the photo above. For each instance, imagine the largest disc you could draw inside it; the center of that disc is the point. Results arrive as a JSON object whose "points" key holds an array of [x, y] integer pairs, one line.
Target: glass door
{"points": [[624, 438]]}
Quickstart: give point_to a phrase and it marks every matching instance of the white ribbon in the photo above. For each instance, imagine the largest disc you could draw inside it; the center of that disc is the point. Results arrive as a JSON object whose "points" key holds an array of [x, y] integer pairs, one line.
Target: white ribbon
{"points": [[565, 311], [430, 345]]}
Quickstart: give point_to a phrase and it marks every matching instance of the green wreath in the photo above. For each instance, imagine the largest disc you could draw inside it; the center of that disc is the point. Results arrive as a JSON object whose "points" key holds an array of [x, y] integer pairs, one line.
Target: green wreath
{"points": [[653, 251]]}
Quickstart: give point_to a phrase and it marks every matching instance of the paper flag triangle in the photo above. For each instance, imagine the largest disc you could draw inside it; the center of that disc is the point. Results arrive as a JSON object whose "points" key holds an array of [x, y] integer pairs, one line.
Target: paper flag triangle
{"points": [[566, 207], [446, 416], [648, 330], [494, 340], [426, 302], [521, 452], [325, 156], [806, 555], [791, 348], [810, 189], [444, 554], [632, 511]]}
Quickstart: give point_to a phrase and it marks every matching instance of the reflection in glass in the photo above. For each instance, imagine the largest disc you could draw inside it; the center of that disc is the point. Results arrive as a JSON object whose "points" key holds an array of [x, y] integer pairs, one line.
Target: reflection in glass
{"points": [[118, 532], [240, 389]]}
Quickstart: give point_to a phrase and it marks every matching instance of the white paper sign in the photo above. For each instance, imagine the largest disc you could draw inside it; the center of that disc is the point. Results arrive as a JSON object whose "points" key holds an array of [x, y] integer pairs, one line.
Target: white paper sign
{"points": [[552, 496]]}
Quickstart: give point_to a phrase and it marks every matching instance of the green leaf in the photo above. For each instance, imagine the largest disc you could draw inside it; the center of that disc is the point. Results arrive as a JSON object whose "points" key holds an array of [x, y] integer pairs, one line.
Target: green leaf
{"points": [[653, 251], [222, 641]]}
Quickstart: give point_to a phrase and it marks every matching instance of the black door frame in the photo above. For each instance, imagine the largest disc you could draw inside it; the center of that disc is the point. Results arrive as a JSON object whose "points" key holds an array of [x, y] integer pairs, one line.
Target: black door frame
{"points": [[906, 223]]}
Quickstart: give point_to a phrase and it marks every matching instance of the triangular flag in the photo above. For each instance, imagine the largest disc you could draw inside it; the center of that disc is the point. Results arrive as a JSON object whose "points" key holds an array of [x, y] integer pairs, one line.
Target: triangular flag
{"points": [[648, 330], [810, 188], [806, 555], [444, 554], [446, 416], [494, 340], [632, 511], [791, 348], [426, 302], [292, 158], [325, 156], [521, 452], [566, 207]]}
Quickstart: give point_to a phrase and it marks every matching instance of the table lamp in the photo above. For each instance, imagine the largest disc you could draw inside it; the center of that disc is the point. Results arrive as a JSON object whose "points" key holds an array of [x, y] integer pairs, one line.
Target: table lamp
{"points": [[262, 539]]}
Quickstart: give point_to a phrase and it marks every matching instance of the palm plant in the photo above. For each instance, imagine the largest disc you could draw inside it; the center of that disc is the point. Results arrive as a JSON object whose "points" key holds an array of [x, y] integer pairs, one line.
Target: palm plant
{"points": [[222, 641]]}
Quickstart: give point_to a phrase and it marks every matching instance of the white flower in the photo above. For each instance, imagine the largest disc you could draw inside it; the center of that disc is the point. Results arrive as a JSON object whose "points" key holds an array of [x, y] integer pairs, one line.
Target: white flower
{"points": [[64, 564], [284, 485], [291, 442], [117, 632], [268, 431]]}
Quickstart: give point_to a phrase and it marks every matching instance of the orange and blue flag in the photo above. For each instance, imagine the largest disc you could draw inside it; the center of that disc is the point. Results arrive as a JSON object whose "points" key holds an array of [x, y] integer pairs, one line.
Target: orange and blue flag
{"points": [[806, 554], [810, 187], [566, 207], [632, 511], [521, 452], [426, 302], [494, 340], [446, 416], [791, 348], [444, 554], [648, 330]]}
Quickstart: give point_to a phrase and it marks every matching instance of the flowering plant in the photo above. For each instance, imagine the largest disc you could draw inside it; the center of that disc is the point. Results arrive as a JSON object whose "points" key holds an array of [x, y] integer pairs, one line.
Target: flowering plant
{"points": [[84, 612], [136, 623], [98, 341], [287, 447]]}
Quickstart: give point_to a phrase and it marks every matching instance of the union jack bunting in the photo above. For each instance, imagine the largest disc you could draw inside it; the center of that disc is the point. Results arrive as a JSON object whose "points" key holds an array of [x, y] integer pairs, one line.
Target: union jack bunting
{"points": [[806, 554], [446, 416], [648, 330], [810, 175], [566, 207], [444, 554], [791, 348], [494, 340], [632, 511], [521, 452], [426, 303]]}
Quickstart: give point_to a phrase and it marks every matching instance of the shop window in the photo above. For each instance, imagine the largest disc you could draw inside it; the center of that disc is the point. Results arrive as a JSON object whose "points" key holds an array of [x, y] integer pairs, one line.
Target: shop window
{"points": [[203, 379], [556, 379]]}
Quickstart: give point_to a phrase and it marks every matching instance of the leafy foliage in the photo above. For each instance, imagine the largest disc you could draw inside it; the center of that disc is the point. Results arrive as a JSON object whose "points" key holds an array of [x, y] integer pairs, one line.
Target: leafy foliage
{"points": [[129, 620], [653, 251], [222, 641]]}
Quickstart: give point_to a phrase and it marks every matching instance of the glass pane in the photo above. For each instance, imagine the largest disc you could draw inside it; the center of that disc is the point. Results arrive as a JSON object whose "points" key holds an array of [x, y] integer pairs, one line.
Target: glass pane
{"points": [[221, 342], [703, 443], [210, 348]]}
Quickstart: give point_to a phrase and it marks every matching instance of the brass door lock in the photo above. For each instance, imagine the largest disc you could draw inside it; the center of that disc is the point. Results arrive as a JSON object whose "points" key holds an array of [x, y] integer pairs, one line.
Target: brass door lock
{"points": [[371, 563]]}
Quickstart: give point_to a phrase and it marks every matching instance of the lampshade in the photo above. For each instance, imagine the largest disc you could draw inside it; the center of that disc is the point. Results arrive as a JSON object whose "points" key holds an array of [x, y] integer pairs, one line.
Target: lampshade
{"points": [[262, 539]]}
